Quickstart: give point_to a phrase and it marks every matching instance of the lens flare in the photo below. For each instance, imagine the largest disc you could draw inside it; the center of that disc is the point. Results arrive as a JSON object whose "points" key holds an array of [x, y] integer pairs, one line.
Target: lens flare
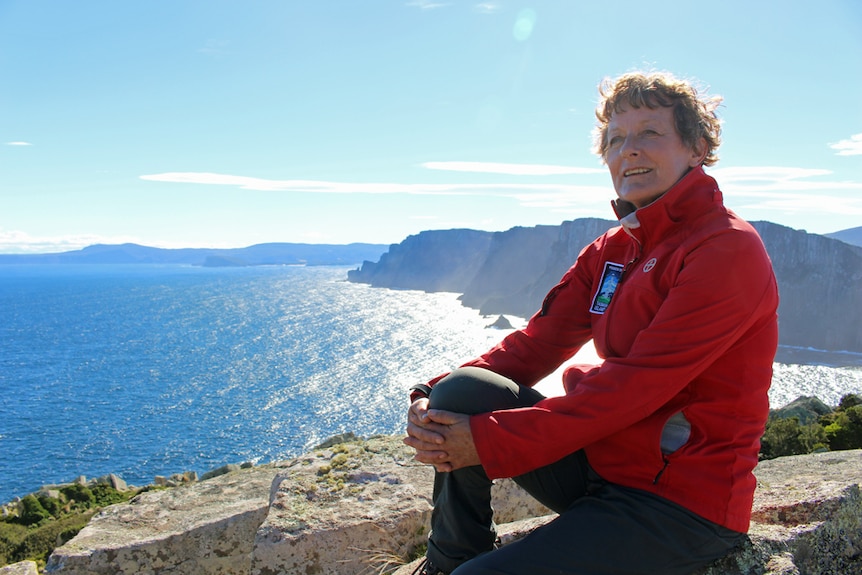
{"points": [[524, 25]]}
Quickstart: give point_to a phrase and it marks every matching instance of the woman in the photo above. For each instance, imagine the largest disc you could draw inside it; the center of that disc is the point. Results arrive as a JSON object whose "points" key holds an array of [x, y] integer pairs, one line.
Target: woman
{"points": [[647, 457]]}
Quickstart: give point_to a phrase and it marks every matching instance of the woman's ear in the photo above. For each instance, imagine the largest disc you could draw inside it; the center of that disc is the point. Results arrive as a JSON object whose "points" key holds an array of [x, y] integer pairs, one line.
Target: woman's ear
{"points": [[698, 153]]}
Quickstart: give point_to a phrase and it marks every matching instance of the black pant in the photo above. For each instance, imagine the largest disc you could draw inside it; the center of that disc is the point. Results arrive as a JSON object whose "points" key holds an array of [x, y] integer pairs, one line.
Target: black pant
{"points": [[602, 528]]}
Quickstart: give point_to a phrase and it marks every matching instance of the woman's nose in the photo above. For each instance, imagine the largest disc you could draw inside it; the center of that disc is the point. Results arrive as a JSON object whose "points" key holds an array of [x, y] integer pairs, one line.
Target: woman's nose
{"points": [[629, 147]]}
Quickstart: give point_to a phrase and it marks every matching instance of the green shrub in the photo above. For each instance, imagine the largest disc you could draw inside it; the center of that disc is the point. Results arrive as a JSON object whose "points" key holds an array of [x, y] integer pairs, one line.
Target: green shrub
{"points": [[845, 429], [787, 433], [81, 495], [47, 522], [104, 495], [782, 437], [813, 438], [32, 512], [38, 543], [51, 505], [849, 400], [68, 533], [11, 535]]}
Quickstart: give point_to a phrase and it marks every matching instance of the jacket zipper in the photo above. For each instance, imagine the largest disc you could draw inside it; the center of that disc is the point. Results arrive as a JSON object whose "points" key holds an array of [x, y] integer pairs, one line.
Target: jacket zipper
{"points": [[661, 471], [634, 260], [628, 266]]}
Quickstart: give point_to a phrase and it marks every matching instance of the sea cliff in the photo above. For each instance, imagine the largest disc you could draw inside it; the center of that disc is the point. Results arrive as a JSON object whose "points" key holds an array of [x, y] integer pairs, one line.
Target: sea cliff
{"points": [[363, 506], [511, 272]]}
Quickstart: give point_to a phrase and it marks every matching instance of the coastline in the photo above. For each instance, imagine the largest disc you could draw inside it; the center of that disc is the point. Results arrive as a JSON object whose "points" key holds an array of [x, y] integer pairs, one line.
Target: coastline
{"points": [[811, 356]]}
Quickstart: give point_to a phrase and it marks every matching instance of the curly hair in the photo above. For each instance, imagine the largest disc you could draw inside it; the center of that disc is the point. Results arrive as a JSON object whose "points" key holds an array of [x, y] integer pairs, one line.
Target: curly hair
{"points": [[694, 114]]}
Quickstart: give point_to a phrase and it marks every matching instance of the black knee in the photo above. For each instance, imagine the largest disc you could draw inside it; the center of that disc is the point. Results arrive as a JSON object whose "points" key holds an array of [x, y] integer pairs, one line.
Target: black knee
{"points": [[473, 390]]}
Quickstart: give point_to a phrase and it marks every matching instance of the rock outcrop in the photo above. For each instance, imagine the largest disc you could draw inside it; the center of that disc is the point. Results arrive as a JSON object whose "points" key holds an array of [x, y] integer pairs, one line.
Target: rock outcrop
{"points": [[430, 261], [511, 272], [363, 507], [206, 527], [22, 568], [807, 519], [356, 508]]}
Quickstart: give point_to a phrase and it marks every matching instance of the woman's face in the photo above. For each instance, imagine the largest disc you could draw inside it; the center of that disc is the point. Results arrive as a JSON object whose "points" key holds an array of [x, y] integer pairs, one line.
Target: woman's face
{"points": [[646, 155]]}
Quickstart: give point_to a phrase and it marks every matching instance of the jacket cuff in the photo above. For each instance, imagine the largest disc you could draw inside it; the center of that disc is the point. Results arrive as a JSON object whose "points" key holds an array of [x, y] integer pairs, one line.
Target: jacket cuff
{"points": [[419, 390]]}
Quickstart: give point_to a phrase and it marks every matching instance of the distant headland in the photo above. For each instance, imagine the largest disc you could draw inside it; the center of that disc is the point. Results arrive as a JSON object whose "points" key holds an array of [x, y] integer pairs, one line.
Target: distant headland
{"points": [[256, 255]]}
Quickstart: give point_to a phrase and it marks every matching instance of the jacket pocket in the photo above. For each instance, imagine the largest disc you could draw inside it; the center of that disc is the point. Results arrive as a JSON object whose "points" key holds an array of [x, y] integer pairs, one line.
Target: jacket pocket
{"points": [[675, 434]]}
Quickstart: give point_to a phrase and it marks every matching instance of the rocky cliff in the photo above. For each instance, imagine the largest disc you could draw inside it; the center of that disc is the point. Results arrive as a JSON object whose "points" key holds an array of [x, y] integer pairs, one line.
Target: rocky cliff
{"points": [[430, 261], [510, 272], [819, 281], [363, 507]]}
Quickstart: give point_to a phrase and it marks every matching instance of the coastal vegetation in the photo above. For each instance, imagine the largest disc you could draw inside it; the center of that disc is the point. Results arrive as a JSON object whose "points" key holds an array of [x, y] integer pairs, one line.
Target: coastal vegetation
{"points": [[807, 425], [41, 521]]}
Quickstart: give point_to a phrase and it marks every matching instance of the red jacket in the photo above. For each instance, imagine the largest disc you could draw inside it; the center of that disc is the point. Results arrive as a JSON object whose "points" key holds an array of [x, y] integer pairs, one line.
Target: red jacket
{"points": [[690, 330]]}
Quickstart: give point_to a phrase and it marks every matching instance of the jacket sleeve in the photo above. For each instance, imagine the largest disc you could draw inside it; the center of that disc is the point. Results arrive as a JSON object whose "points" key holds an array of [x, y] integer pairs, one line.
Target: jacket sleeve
{"points": [[552, 336], [725, 287]]}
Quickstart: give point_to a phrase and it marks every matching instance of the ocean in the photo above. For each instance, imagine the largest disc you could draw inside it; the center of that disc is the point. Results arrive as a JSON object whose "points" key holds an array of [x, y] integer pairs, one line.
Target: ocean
{"points": [[146, 370]]}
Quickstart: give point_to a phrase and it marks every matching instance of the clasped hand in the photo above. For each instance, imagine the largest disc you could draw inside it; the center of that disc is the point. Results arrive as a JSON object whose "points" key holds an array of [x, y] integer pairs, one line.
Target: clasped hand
{"points": [[441, 438]]}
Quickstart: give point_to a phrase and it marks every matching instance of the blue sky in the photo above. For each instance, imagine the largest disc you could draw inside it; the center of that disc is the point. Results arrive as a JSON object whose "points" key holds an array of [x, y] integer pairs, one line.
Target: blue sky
{"points": [[178, 123]]}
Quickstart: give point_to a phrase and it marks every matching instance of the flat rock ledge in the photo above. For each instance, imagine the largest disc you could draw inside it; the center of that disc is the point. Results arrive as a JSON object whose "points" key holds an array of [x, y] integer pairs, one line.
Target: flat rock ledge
{"points": [[362, 507], [206, 527], [22, 568]]}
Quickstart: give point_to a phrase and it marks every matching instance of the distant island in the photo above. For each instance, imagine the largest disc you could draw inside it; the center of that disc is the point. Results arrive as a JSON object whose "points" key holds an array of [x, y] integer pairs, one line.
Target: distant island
{"points": [[256, 255]]}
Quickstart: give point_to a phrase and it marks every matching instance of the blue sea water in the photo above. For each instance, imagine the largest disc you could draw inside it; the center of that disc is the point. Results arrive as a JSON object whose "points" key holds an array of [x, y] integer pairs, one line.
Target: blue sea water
{"points": [[153, 370]]}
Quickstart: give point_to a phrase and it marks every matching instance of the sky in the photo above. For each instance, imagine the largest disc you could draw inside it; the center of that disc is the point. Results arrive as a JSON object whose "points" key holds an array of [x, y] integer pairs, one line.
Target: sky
{"points": [[212, 123]]}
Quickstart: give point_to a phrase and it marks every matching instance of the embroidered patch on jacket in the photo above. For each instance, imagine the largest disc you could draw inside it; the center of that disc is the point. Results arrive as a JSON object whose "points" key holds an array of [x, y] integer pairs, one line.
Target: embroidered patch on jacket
{"points": [[610, 279], [649, 265]]}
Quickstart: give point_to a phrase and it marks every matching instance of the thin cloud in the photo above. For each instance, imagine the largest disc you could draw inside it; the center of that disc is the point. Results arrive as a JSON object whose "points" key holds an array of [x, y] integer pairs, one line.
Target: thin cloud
{"points": [[18, 242], [789, 190], [767, 172], [427, 4], [820, 204], [18, 144], [779, 179], [511, 169], [850, 147], [511, 190], [486, 7], [306, 186], [568, 198]]}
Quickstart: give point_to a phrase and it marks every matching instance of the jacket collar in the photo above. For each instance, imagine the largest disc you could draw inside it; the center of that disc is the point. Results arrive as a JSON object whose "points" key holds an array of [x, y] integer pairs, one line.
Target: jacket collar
{"points": [[691, 196]]}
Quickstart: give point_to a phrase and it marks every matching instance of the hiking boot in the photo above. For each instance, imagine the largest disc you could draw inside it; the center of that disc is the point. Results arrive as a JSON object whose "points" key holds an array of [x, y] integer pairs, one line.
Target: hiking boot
{"points": [[428, 568]]}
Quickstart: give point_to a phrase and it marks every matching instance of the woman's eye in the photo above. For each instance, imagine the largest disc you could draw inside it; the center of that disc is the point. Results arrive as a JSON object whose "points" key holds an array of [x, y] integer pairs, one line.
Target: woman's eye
{"points": [[614, 141]]}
